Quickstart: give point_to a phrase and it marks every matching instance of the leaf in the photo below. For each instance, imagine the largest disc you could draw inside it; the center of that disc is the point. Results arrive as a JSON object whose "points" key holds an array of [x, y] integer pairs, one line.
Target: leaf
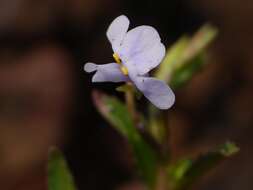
{"points": [[184, 73], [185, 57], [59, 176], [124, 88], [116, 113], [186, 171]]}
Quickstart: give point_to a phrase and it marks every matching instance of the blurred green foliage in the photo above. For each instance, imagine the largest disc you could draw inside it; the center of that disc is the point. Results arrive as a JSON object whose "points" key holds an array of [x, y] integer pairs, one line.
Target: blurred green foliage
{"points": [[186, 57], [186, 171], [59, 176], [116, 113]]}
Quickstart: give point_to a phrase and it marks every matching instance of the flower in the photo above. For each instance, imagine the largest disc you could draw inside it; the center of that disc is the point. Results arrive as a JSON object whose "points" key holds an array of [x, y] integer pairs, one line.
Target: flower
{"points": [[136, 52]]}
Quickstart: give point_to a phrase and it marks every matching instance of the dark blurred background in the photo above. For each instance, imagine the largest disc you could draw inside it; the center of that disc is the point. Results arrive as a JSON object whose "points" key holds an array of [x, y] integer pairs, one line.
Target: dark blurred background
{"points": [[45, 95]]}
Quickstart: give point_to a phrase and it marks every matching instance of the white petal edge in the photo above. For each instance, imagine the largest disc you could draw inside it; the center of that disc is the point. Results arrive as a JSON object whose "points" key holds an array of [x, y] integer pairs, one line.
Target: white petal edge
{"points": [[117, 31]]}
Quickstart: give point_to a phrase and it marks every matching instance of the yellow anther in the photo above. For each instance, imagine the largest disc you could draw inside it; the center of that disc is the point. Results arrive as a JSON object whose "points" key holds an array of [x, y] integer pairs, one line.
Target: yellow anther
{"points": [[124, 70], [117, 58]]}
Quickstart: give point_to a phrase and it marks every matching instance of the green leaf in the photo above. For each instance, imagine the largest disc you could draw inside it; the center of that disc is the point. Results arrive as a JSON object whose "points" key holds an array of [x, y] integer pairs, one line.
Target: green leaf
{"points": [[184, 73], [59, 176], [124, 88], [116, 113], [185, 58], [186, 171]]}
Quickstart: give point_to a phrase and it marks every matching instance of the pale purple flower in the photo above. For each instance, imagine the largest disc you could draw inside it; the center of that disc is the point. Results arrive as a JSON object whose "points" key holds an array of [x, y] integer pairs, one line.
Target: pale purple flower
{"points": [[136, 52]]}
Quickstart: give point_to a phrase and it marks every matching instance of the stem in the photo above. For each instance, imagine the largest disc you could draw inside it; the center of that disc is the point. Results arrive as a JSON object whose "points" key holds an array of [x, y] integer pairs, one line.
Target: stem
{"points": [[129, 96], [160, 129]]}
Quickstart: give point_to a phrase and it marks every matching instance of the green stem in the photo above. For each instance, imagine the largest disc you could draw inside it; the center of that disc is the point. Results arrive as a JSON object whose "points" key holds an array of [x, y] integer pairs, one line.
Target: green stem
{"points": [[160, 128], [129, 97]]}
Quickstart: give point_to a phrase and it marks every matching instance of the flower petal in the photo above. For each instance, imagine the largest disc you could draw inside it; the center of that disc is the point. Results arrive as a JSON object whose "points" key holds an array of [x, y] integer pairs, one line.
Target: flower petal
{"points": [[138, 40], [117, 31], [156, 91], [148, 60], [90, 67], [106, 73]]}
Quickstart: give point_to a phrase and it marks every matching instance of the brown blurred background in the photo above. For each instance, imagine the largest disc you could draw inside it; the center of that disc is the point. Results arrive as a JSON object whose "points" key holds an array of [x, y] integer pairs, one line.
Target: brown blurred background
{"points": [[45, 95]]}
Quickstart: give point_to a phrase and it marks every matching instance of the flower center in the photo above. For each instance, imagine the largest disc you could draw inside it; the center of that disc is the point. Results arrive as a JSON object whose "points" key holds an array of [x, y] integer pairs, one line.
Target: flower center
{"points": [[123, 69]]}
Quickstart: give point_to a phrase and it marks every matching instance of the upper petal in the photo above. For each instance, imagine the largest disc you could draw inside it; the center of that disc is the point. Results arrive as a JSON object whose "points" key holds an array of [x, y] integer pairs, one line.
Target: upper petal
{"points": [[138, 40], [105, 73], [117, 31], [149, 59], [156, 91]]}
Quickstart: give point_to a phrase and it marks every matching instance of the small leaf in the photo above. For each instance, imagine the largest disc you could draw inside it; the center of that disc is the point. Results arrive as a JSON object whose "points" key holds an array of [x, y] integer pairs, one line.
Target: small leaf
{"points": [[178, 170], [229, 149], [185, 172], [116, 113], [59, 176], [185, 58], [124, 88]]}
